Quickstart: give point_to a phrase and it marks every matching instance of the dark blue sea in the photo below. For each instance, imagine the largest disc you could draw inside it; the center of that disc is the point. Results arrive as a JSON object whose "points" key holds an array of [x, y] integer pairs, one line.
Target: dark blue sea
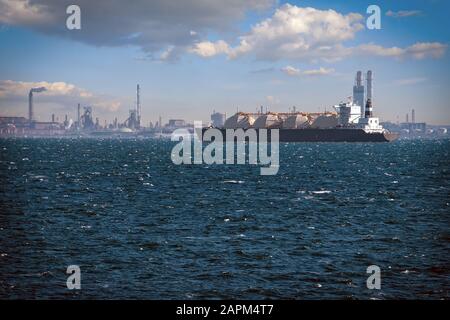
{"points": [[141, 227]]}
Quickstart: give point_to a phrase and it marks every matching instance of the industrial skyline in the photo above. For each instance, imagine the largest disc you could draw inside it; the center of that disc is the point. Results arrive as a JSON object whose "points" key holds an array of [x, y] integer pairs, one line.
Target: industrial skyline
{"points": [[356, 113], [203, 65]]}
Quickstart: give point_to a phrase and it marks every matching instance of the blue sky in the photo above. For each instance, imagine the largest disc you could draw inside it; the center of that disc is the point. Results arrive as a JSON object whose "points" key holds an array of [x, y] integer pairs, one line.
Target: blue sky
{"points": [[97, 67]]}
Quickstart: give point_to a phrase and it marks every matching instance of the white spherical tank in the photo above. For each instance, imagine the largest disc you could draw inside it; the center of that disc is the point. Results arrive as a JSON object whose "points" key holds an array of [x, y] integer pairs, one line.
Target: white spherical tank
{"points": [[267, 121], [239, 121], [325, 121], [295, 122]]}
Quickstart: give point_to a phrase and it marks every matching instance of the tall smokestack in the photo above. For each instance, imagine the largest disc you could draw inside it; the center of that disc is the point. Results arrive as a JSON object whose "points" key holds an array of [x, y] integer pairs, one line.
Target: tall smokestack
{"points": [[138, 106], [30, 106], [358, 92], [413, 116], [369, 109], [30, 102], [369, 85], [358, 81], [78, 117], [369, 102]]}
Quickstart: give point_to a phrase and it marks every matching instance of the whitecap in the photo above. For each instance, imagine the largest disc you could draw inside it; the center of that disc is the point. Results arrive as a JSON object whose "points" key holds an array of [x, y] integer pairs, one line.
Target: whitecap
{"points": [[321, 192], [233, 181]]}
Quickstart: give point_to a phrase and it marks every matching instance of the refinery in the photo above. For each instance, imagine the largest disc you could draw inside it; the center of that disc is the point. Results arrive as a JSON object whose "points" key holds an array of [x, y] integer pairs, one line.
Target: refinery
{"points": [[85, 124]]}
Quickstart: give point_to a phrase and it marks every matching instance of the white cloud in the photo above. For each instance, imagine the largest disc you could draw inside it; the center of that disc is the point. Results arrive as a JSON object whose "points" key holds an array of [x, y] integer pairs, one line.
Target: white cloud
{"points": [[152, 25], [403, 13], [167, 54], [165, 30], [24, 13], [18, 88], [296, 33], [208, 49], [377, 50], [419, 50], [318, 72], [292, 71], [423, 50], [62, 94]]}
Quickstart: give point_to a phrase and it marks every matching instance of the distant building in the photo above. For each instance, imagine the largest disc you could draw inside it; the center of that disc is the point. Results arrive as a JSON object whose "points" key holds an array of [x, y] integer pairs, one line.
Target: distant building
{"points": [[176, 123], [13, 125], [218, 119], [414, 126], [13, 120], [45, 125]]}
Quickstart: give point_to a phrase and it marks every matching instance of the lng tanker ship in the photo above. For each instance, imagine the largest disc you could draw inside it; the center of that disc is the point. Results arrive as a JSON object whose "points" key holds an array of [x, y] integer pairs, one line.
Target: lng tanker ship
{"points": [[350, 122]]}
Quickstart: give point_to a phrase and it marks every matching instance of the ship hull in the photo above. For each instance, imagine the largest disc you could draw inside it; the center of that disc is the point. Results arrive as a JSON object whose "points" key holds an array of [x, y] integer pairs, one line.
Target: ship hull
{"points": [[328, 135]]}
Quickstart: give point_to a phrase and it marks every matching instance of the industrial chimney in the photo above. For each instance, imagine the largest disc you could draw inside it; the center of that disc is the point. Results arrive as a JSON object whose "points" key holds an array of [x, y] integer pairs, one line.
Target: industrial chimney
{"points": [[369, 85], [30, 102], [78, 118], [369, 107], [138, 106], [358, 92]]}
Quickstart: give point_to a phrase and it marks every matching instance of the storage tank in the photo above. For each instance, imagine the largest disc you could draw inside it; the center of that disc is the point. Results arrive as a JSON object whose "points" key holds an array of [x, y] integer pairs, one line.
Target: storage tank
{"points": [[239, 121], [296, 122], [267, 121], [325, 121]]}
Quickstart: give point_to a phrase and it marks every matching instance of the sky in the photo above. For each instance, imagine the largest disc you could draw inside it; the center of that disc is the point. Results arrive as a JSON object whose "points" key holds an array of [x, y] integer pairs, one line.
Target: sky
{"points": [[192, 57]]}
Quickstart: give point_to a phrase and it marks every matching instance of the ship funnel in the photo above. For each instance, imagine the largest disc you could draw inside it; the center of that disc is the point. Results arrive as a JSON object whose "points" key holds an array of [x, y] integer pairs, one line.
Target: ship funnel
{"points": [[369, 80], [369, 103], [369, 109]]}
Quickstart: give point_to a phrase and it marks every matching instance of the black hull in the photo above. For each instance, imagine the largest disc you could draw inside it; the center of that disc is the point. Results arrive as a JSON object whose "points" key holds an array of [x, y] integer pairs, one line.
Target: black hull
{"points": [[328, 135]]}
